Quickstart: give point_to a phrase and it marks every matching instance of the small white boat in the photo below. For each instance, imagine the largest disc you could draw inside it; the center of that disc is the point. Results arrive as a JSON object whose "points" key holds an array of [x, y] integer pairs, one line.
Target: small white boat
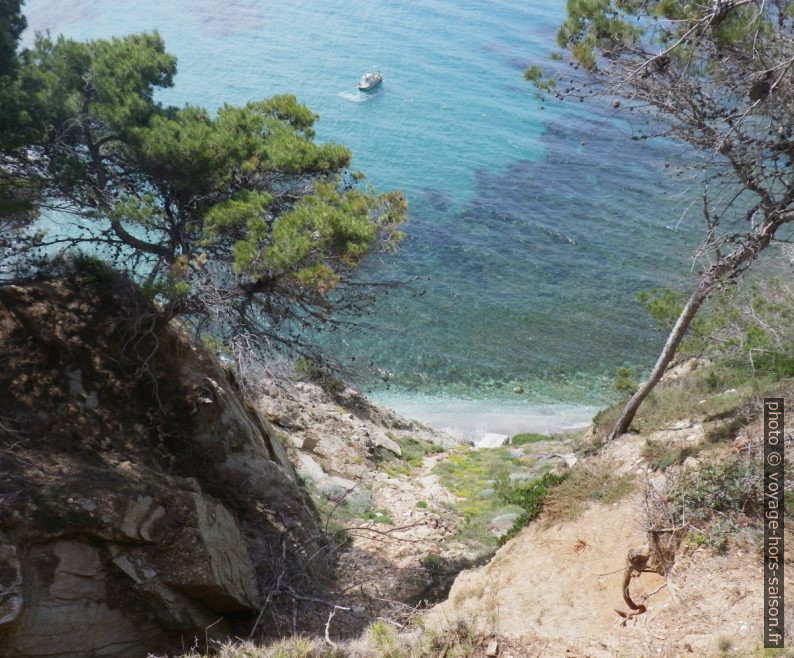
{"points": [[369, 81]]}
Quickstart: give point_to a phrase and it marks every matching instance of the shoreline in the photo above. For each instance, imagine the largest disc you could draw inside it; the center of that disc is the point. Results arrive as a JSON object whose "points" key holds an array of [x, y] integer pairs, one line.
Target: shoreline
{"points": [[472, 418]]}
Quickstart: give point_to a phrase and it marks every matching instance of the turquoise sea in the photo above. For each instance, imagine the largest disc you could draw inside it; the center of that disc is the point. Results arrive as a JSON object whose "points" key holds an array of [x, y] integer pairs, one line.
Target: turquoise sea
{"points": [[534, 223]]}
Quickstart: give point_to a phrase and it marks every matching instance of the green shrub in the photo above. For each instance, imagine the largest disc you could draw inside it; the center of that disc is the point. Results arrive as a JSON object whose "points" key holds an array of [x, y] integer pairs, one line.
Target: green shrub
{"points": [[692, 397], [748, 327], [663, 305], [712, 380], [624, 381], [734, 486], [715, 537], [605, 420], [382, 639], [415, 450], [441, 572], [378, 516], [746, 335], [723, 500], [528, 437], [468, 473], [530, 498], [533, 73], [94, 269]]}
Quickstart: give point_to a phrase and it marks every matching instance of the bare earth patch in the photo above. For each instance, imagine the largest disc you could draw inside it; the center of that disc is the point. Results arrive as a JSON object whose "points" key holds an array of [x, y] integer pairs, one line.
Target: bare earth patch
{"points": [[556, 588]]}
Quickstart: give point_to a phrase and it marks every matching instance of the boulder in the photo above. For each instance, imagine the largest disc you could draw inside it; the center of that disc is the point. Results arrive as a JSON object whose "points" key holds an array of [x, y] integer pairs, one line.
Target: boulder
{"points": [[491, 440], [570, 459], [691, 462], [501, 525], [338, 489], [181, 553], [378, 439], [309, 469], [220, 572]]}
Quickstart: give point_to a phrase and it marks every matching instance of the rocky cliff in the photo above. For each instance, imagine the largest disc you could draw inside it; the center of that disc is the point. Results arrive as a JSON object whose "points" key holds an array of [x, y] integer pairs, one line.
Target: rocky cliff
{"points": [[142, 502]]}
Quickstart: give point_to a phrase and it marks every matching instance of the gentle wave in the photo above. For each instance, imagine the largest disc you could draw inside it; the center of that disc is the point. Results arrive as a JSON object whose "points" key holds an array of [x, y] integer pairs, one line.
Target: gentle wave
{"points": [[355, 97]]}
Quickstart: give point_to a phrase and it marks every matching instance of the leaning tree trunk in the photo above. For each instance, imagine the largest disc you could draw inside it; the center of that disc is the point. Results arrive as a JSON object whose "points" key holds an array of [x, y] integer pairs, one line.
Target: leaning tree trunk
{"points": [[755, 242], [694, 302]]}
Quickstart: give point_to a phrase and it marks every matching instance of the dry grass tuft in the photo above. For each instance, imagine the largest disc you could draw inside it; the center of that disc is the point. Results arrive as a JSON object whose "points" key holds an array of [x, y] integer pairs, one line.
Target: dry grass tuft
{"points": [[381, 639], [591, 481]]}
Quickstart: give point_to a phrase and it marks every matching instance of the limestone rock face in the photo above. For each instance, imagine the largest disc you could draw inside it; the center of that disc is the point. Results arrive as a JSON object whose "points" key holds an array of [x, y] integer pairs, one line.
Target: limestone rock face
{"points": [[141, 498], [227, 580], [176, 554], [67, 610]]}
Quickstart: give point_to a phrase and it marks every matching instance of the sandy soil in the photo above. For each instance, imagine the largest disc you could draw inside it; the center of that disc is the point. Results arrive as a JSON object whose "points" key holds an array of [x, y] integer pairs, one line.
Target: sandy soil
{"points": [[554, 591]]}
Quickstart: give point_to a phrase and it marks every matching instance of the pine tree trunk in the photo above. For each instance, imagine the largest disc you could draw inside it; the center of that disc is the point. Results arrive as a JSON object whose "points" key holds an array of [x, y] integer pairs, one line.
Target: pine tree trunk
{"points": [[677, 333], [755, 242]]}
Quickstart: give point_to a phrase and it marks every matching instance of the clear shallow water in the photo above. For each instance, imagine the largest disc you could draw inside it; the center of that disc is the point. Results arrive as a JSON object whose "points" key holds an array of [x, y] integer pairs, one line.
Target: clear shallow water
{"points": [[474, 418], [533, 224]]}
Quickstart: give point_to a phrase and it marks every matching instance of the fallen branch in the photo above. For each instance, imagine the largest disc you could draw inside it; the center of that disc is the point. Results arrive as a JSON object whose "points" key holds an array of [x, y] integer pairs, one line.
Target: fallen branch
{"points": [[328, 639]]}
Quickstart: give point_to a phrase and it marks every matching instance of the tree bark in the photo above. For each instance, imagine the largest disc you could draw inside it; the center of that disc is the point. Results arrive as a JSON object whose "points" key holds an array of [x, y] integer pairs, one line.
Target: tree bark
{"points": [[688, 313]]}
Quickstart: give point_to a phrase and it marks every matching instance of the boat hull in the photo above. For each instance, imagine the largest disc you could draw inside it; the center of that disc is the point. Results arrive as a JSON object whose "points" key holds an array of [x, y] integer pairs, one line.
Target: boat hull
{"points": [[370, 87]]}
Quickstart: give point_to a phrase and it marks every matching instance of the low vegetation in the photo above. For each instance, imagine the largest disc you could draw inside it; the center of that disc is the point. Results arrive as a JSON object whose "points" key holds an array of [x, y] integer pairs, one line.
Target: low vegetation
{"points": [[378, 516], [305, 369], [726, 431], [413, 454], [585, 484], [530, 498], [716, 503], [741, 349], [712, 392], [660, 454], [481, 479], [719, 501], [415, 450], [528, 437], [492, 483], [380, 640], [524, 499], [338, 517]]}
